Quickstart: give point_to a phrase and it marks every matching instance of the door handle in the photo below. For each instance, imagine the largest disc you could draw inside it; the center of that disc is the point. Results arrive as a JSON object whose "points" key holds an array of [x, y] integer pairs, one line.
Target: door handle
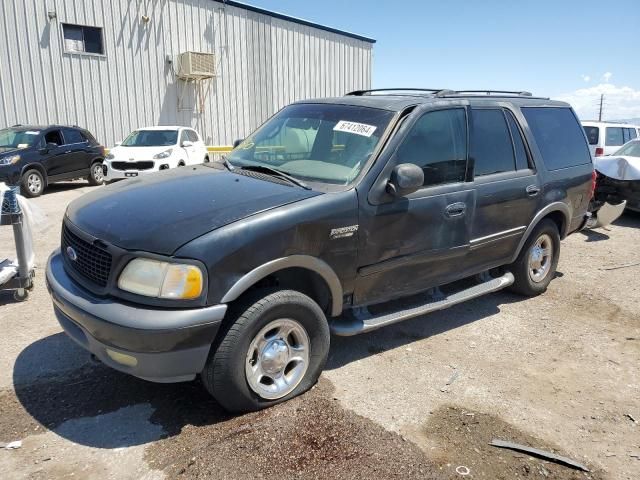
{"points": [[533, 190], [68, 151], [455, 209]]}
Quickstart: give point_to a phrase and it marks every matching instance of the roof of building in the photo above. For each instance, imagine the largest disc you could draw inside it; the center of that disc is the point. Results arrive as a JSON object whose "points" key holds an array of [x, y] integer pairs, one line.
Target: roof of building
{"points": [[300, 21]]}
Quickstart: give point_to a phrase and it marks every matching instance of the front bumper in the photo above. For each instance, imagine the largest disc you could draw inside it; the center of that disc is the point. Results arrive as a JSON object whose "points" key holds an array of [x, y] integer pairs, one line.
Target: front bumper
{"points": [[112, 174], [160, 345]]}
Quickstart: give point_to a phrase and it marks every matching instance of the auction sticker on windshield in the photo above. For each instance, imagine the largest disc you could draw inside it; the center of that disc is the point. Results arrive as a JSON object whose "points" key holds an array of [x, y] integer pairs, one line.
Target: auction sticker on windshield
{"points": [[354, 127]]}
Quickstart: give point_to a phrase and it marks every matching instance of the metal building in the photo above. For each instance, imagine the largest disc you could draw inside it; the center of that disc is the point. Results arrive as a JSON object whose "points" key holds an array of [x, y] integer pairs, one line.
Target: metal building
{"points": [[113, 66]]}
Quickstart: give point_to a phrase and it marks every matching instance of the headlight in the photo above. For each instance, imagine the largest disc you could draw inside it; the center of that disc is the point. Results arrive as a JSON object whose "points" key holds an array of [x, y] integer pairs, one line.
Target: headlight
{"points": [[110, 156], [165, 154], [10, 160], [153, 278]]}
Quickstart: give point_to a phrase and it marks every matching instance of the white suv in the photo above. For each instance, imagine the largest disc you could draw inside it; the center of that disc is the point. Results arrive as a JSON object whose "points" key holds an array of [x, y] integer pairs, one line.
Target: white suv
{"points": [[151, 149], [606, 138]]}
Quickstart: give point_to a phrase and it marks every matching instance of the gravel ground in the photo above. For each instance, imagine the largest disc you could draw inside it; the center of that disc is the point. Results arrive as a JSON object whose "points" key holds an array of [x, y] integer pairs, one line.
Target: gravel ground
{"points": [[415, 400]]}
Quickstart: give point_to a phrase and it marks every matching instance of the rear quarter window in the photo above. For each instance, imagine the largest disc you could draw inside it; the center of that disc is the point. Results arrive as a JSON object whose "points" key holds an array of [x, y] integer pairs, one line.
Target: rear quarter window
{"points": [[559, 136], [593, 135]]}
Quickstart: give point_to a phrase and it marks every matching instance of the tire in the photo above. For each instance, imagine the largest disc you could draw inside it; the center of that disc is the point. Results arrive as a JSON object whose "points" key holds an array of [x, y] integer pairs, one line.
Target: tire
{"points": [[96, 178], [20, 295], [181, 163], [32, 184], [266, 315], [529, 280]]}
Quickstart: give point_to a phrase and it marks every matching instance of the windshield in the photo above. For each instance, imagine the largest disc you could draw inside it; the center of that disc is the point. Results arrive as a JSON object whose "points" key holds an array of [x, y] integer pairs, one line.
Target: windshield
{"points": [[151, 138], [14, 138], [316, 142], [631, 149]]}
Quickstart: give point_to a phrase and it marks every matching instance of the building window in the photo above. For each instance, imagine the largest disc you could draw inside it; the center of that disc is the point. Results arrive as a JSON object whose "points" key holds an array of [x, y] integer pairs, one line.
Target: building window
{"points": [[82, 39]]}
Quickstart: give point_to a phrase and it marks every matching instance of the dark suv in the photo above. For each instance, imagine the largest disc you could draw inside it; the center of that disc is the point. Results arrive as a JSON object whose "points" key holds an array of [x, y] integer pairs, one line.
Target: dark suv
{"points": [[34, 156], [317, 222]]}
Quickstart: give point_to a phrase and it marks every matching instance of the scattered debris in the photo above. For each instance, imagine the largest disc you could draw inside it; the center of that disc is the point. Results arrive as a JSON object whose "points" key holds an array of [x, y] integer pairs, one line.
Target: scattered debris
{"points": [[626, 265], [631, 417], [450, 381], [13, 445], [462, 470], [540, 453]]}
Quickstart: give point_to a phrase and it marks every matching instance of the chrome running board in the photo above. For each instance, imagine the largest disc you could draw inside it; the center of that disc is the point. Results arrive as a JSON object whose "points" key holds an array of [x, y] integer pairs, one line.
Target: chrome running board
{"points": [[363, 321]]}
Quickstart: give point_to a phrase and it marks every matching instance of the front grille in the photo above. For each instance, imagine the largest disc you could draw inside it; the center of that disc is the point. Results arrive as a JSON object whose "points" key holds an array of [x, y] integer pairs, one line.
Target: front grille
{"points": [[91, 262], [142, 165]]}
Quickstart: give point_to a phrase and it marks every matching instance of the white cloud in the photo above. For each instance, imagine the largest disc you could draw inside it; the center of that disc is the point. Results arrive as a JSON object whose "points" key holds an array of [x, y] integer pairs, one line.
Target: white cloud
{"points": [[586, 78], [619, 102], [607, 77]]}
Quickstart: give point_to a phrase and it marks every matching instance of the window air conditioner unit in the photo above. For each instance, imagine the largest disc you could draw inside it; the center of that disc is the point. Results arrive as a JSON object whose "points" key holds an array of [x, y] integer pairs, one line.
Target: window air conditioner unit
{"points": [[194, 65]]}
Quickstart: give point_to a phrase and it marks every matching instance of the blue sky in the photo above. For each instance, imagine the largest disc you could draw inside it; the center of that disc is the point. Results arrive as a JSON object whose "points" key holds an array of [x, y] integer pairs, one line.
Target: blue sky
{"points": [[551, 48]]}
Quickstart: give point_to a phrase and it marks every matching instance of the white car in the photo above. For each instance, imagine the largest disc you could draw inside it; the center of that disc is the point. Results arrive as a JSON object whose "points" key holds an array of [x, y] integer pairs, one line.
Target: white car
{"points": [[605, 138], [151, 149]]}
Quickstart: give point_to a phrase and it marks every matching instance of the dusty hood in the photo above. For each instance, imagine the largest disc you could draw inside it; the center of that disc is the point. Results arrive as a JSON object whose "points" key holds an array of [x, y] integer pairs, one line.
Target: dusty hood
{"points": [[163, 211], [619, 168]]}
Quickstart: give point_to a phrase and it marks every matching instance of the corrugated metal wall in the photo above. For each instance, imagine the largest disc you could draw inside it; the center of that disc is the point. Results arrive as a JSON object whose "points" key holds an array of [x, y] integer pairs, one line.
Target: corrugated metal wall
{"points": [[264, 63]]}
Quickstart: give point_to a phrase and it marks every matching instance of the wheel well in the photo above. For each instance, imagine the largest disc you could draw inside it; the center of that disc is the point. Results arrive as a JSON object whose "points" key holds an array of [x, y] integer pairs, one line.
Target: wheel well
{"points": [[559, 219], [35, 166], [299, 279], [97, 160]]}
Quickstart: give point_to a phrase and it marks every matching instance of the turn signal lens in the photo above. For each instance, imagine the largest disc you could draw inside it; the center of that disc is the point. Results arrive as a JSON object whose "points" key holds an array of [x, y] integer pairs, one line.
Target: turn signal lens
{"points": [[182, 281]]}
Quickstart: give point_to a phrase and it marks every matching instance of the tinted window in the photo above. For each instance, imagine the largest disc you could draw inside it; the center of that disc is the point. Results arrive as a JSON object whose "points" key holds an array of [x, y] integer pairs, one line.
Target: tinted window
{"points": [[522, 158], [73, 136], [593, 134], [558, 135], [491, 147], [438, 144], [629, 134], [615, 136], [193, 136], [632, 133], [183, 136], [53, 137]]}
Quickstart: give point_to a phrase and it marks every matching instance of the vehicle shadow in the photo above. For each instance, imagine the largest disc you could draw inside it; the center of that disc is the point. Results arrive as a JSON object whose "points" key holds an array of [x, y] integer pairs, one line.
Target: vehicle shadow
{"points": [[345, 350], [99, 407], [628, 219], [90, 404], [594, 236], [65, 186]]}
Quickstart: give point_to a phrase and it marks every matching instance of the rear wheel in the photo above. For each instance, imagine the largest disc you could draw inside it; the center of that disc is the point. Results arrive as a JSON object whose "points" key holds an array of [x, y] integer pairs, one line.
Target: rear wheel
{"points": [[32, 184], [273, 349], [96, 176], [206, 159], [536, 265]]}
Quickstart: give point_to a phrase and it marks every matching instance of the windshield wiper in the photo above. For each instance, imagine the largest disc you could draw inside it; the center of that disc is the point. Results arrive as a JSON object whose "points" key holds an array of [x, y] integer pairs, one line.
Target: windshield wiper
{"points": [[227, 163], [276, 173]]}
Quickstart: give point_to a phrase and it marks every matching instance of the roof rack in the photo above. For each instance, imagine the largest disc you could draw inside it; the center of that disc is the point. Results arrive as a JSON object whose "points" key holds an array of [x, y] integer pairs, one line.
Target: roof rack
{"points": [[491, 92], [360, 93]]}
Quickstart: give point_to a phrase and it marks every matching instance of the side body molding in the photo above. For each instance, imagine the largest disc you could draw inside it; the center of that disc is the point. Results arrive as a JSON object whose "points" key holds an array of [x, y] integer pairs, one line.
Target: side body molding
{"points": [[552, 207], [301, 261]]}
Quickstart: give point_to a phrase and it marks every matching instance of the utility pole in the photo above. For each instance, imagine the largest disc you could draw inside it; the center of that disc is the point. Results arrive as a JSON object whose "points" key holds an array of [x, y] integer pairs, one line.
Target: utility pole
{"points": [[601, 103]]}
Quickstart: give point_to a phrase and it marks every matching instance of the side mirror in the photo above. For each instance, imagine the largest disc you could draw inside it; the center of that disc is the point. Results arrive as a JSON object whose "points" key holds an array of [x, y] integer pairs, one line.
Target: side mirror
{"points": [[405, 178], [187, 143], [237, 142]]}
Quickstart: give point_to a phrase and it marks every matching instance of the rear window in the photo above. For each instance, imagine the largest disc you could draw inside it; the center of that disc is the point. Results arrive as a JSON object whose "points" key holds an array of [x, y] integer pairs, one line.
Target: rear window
{"points": [[559, 136], [73, 136], [615, 137], [593, 134]]}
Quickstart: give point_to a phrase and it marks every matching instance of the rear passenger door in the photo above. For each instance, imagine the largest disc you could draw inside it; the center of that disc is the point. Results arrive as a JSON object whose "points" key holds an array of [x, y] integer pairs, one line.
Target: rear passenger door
{"points": [[76, 150], [507, 188]]}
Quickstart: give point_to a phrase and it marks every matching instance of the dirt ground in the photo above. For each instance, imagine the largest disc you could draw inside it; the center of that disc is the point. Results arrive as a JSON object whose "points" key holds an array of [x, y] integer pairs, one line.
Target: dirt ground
{"points": [[421, 399]]}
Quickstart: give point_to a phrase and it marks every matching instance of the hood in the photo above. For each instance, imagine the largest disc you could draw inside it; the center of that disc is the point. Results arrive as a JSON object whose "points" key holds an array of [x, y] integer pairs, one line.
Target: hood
{"points": [[161, 212], [9, 149], [139, 153], [618, 168]]}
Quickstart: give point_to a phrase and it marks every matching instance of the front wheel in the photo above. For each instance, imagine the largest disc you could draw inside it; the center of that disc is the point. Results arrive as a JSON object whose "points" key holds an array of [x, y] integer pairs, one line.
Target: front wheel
{"points": [[96, 176], [32, 184], [536, 264], [274, 349]]}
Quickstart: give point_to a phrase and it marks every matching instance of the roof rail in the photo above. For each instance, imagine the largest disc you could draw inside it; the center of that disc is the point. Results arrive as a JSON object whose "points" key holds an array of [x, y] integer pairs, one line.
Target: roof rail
{"points": [[491, 92], [359, 93], [17, 125]]}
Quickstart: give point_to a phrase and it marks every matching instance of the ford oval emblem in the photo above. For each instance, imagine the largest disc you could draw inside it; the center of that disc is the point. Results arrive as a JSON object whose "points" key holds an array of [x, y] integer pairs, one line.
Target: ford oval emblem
{"points": [[71, 253]]}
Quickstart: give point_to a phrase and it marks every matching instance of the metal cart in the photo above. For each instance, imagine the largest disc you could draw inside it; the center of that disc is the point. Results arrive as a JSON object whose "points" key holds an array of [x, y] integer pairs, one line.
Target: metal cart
{"points": [[21, 279]]}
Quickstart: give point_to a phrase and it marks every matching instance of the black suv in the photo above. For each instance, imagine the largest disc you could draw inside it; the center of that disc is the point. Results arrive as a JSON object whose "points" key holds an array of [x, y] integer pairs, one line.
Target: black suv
{"points": [[34, 156], [317, 222]]}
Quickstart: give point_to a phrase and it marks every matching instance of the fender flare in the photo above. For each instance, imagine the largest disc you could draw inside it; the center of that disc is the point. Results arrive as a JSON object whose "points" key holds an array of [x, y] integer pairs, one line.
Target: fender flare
{"points": [[552, 207], [301, 261], [35, 166]]}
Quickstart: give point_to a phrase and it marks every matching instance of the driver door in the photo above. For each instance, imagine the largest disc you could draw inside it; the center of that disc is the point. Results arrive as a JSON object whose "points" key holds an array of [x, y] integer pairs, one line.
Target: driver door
{"points": [[409, 244]]}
